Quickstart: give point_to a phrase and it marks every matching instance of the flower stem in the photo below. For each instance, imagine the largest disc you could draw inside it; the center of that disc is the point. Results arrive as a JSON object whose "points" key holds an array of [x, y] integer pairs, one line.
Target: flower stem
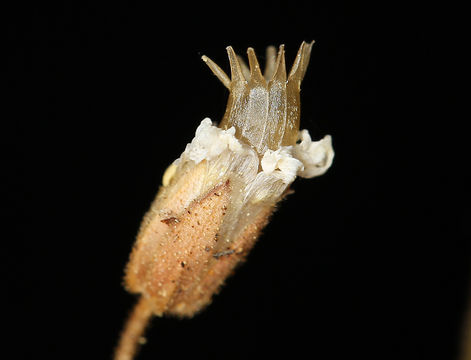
{"points": [[131, 337]]}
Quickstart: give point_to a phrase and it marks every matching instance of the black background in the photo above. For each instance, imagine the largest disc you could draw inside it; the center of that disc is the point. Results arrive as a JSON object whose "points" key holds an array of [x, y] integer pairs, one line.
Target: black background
{"points": [[369, 261]]}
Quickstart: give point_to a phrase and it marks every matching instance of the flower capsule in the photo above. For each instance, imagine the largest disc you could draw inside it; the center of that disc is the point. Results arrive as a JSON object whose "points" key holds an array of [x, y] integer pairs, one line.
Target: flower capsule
{"points": [[219, 194]]}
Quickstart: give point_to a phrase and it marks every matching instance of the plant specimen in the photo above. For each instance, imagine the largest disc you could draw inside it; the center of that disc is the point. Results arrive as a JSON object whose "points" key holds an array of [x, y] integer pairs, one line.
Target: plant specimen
{"points": [[219, 194]]}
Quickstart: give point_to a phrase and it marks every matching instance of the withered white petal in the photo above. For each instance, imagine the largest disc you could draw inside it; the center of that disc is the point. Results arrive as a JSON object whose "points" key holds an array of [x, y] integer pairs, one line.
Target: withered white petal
{"points": [[281, 164], [210, 141], [306, 159], [316, 156]]}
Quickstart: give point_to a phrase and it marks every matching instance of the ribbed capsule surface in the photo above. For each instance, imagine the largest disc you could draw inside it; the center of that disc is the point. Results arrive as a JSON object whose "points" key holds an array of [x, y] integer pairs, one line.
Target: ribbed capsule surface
{"points": [[264, 109]]}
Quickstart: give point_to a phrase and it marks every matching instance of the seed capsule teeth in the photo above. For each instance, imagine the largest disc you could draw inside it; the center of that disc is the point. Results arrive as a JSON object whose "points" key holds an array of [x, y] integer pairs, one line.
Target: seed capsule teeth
{"points": [[256, 76], [236, 72], [220, 74], [301, 62], [275, 66], [307, 57], [280, 67], [244, 67], [270, 63]]}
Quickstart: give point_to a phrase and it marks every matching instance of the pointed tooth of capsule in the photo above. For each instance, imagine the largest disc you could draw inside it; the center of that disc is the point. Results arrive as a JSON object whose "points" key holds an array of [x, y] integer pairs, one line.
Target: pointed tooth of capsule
{"points": [[220, 74], [295, 69], [307, 56], [301, 62], [236, 71], [255, 72], [244, 67], [280, 67], [270, 63]]}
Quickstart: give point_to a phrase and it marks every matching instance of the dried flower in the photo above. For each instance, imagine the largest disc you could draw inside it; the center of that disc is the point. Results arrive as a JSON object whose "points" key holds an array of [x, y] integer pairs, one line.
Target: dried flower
{"points": [[218, 196]]}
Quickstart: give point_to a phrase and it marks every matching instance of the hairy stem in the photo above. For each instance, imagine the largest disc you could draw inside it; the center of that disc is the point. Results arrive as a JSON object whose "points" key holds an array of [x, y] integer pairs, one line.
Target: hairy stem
{"points": [[131, 337]]}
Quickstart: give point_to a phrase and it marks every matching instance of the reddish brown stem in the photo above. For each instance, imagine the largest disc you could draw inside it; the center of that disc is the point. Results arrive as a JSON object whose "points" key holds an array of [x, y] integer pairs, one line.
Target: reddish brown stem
{"points": [[131, 337]]}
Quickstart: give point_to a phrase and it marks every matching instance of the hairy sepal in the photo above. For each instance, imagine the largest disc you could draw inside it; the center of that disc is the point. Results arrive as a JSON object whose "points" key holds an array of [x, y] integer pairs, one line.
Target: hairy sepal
{"points": [[216, 199]]}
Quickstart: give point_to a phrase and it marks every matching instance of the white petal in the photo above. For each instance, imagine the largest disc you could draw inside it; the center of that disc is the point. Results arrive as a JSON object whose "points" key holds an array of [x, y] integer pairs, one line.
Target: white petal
{"points": [[316, 156]]}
